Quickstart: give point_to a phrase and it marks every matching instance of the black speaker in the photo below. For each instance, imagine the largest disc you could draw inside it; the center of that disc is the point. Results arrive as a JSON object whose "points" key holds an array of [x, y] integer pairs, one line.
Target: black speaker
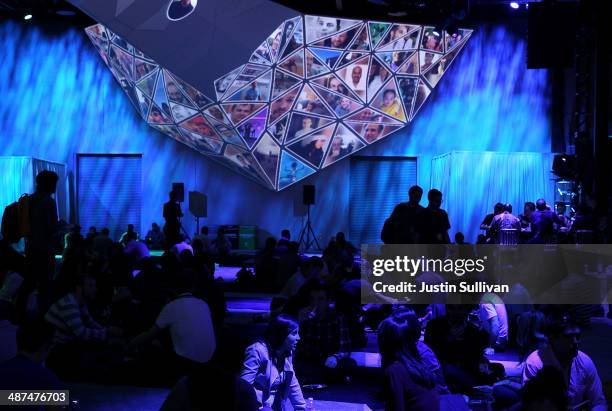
{"points": [[308, 197], [564, 166], [179, 191], [198, 204]]}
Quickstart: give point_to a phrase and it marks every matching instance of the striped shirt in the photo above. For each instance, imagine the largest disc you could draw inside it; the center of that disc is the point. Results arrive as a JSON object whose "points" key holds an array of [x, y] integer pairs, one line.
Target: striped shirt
{"points": [[73, 322]]}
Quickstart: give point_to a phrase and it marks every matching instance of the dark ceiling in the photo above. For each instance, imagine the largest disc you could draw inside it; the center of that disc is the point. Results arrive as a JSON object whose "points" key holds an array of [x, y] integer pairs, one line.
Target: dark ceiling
{"points": [[417, 11]]}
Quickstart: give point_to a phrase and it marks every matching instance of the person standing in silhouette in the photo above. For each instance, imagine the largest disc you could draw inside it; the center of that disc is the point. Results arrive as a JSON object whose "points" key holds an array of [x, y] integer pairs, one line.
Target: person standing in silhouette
{"points": [[172, 215]]}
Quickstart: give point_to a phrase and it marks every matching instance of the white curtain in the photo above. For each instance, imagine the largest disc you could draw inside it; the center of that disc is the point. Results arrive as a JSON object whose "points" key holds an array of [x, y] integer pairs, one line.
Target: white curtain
{"points": [[18, 175], [472, 182]]}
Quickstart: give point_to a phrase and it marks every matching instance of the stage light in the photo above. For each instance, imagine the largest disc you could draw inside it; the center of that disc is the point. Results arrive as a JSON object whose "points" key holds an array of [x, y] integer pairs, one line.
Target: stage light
{"points": [[514, 5], [27, 17]]}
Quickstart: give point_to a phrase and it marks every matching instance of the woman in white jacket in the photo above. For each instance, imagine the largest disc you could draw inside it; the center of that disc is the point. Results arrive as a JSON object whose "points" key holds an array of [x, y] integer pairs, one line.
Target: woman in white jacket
{"points": [[268, 366]]}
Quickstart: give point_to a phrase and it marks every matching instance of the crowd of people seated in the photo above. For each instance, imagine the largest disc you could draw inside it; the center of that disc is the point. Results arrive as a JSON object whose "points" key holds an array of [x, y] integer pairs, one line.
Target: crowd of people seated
{"points": [[112, 313]]}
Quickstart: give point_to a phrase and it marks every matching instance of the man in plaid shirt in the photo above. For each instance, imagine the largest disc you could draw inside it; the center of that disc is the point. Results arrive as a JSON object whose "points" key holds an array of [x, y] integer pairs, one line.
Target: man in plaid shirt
{"points": [[325, 337]]}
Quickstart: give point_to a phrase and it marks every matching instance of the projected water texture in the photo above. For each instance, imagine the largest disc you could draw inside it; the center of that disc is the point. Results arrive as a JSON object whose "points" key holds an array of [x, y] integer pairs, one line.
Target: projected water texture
{"points": [[317, 90]]}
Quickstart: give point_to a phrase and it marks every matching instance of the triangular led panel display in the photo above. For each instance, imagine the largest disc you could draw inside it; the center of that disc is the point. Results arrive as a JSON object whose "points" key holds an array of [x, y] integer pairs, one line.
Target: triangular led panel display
{"points": [[342, 145], [315, 90], [292, 170], [267, 153]]}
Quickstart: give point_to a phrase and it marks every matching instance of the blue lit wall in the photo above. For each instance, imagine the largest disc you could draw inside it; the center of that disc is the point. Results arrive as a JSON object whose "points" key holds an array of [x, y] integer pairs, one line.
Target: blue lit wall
{"points": [[59, 99]]}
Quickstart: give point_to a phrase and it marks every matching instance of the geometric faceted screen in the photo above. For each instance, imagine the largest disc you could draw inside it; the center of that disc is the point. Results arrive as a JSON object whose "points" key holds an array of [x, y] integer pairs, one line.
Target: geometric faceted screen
{"points": [[317, 90]]}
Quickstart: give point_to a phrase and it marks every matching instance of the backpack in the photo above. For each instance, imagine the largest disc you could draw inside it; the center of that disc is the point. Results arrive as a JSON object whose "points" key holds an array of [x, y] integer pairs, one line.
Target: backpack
{"points": [[16, 220]]}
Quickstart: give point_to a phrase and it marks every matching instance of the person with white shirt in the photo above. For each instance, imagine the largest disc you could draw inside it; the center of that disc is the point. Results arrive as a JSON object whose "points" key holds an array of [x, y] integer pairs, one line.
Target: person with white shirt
{"points": [[190, 324], [494, 320], [582, 383]]}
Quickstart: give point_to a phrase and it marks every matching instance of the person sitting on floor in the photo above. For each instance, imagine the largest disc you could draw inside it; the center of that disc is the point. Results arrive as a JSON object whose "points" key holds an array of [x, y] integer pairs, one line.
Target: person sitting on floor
{"points": [[325, 335], [79, 341], [409, 383], [26, 371], [191, 328], [268, 366], [582, 382]]}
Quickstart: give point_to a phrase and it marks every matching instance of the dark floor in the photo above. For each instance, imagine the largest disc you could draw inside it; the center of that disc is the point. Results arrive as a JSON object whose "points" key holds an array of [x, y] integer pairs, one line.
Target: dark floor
{"points": [[362, 389]]}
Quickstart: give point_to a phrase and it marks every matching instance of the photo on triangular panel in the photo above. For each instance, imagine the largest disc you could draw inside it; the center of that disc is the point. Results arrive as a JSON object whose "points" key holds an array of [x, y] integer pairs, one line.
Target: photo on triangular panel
{"points": [[147, 84], [160, 98], [340, 104], [267, 153], [262, 53], [333, 83], [144, 103], [283, 82], [355, 76], [362, 40], [282, 105], [394, 59], [379, 75], [432, 39], [249, 74], [308, 101], [101, 45], [253, 128], [119, 41], [258, 90], [294, 64], [370, 116], [435, 73], [423, 91], [229, 135], [278, 129], [339, 41], [377, 31], [372, 132], [327, 56], [457, 38], [428, 59], [181, 112], [314, 67], [244, 161], [318, 27], [97, 30], [239, 112], [391, 40], [121, 60], [198, 98], [174, 92], [288, 30], [302, 124], [291, 170], [349, 57], [201, 126], [215, 113], [407, 89], [142, 68], [274, 43], [410, 66], [297, 39], [312, 148], [157, 116], [202, 143], [223, 83], [343, 144], [258, 60], [388, 101], [408, 42]]}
